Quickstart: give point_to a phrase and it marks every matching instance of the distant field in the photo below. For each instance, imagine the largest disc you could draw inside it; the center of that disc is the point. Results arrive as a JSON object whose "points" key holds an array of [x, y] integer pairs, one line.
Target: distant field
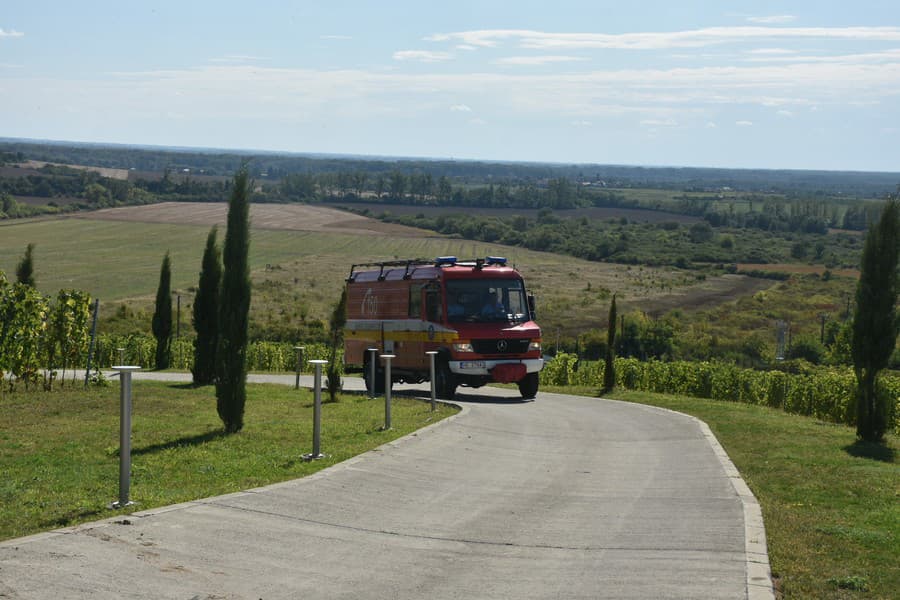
{"points": [[633, 215], [797, 268], [116, 254]]}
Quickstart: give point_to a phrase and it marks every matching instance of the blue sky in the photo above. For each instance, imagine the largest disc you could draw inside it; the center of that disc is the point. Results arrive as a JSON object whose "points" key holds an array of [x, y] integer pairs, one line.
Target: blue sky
{"points": [[809, 85]]}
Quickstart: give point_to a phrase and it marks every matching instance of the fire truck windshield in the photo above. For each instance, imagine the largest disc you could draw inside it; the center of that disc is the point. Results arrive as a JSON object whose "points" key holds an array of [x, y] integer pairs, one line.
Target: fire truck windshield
{"points": [[486, 300]]}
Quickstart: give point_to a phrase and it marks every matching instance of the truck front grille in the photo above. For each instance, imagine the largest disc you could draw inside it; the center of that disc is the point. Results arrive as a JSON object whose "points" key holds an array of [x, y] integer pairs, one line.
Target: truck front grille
{"points": [[502, 346]]}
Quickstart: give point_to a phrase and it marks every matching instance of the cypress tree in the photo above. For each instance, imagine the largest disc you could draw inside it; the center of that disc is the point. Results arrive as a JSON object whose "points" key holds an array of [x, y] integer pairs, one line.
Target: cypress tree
{"points": [[234, 308], [338, 320], [875, 324], [25, 269], [206, 312], [609, 366], [162, 316]]}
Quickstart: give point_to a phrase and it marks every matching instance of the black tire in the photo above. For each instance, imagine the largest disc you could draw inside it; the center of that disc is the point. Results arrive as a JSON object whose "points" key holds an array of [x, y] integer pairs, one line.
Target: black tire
{"points": [[379, 379], [444, 381], [528, 385]]}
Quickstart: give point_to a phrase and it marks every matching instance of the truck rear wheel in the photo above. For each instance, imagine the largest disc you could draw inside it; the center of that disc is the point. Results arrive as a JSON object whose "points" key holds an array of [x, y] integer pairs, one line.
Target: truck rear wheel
{"points": [[444, 381], [528, 386]]}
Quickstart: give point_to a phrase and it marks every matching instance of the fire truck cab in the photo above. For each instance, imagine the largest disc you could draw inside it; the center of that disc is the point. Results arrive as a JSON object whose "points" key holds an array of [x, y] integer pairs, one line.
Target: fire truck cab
{"points": [[475, 314]]}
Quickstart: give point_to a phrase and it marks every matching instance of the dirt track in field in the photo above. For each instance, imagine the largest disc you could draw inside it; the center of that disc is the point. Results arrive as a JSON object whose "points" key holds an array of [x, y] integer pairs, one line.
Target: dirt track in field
{"points": [[289, 217]]}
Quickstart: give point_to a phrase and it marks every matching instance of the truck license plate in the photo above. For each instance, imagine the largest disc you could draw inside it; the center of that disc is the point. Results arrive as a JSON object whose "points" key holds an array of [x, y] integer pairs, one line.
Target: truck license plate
{"points": [[472, 364]]}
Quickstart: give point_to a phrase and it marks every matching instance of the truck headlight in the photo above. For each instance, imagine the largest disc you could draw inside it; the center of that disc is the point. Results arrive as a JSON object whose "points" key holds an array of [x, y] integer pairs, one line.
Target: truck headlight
{"points": [[463, 347], [534, 346]]}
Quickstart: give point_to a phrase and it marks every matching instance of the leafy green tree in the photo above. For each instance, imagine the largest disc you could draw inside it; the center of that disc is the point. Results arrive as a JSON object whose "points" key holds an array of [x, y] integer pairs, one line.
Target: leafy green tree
{"points": [[875, 323], [25, 269], [206, 312], [609, 366], [338, 320], [162, 316], [234, 309]]}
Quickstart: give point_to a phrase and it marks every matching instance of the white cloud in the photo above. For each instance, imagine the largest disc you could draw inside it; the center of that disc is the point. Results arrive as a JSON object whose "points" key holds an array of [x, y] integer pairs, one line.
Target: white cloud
{"points": [[710, 125], [659, 123], [477, 122], [422, 55], [466, 47], [773, 19], [335, 37], [744, 123], [867, 57], [460, 108], [238, 59], [695, 38], [10, 33], [770, 51], [785, 113], [536, 60]]}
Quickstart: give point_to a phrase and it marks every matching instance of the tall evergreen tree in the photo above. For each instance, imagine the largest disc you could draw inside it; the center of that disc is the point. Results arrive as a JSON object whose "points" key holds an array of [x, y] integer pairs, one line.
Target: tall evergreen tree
{"points": [[875, 323], [609, 366], [206, 312], [25, 269], [338, 320], [234, 308], [162, 316]]}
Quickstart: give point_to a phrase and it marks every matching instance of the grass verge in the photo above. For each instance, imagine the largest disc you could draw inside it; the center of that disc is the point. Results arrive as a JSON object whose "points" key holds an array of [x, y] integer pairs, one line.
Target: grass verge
{"points": [[59, 451], [831, 504]]}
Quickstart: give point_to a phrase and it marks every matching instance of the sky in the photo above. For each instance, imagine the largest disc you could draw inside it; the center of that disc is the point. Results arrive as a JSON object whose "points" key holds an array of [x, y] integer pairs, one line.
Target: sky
{"points": [[705, 83]]}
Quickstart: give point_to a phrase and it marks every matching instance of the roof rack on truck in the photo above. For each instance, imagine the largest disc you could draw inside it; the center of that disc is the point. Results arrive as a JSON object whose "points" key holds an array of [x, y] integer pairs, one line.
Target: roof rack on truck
{"points": [[440, 261]]}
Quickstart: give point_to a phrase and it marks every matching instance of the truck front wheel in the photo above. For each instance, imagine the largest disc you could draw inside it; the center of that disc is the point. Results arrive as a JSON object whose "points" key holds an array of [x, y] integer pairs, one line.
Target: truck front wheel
{"points": [[528, 386], [444, 381]]}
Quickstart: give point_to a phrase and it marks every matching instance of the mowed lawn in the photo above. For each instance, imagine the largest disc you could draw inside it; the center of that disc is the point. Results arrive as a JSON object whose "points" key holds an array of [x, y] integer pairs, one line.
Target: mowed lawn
{"points": [[59, 459]]}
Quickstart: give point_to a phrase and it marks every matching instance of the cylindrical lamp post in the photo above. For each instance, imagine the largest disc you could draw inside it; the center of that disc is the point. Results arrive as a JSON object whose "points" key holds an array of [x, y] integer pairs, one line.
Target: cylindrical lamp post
{"points": [[124, 435]]}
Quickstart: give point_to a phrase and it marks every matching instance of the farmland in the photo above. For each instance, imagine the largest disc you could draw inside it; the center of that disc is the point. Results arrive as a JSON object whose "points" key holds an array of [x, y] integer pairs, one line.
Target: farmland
{"points": [[300, 255]]}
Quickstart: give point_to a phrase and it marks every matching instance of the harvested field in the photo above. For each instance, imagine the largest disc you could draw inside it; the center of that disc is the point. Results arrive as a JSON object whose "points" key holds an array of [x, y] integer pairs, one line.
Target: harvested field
{"points": [[103, 171], [289, 217]]}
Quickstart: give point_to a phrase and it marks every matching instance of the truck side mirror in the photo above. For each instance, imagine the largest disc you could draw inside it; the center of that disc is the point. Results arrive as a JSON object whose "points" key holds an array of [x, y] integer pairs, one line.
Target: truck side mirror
{"points": [[531, 307]]}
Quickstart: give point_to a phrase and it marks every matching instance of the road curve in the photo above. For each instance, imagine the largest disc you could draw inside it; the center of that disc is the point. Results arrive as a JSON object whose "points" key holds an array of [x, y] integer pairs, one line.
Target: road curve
{"points": [[563, 497]]}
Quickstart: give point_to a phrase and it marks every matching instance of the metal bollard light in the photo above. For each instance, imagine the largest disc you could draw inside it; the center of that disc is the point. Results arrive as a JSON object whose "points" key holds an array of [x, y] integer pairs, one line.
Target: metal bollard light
{"points": [[299, 350], [372, 360], [124, 435], [387, 389], [431, 354], [121, 355], [317, 412]]}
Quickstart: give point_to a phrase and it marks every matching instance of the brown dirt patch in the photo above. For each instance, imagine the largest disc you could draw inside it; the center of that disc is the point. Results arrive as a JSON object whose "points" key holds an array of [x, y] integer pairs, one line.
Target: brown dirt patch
{"points": [[290, 217], [798, 268], [710, 293]]}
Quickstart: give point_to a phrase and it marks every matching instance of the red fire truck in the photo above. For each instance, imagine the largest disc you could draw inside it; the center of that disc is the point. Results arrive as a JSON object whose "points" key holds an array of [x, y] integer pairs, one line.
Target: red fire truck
{"points": [[476, 314]]}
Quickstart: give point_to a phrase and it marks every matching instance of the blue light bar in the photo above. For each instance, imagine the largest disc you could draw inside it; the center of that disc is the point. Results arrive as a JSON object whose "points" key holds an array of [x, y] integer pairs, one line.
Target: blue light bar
{"points": [[442, 261], [496, 260]]}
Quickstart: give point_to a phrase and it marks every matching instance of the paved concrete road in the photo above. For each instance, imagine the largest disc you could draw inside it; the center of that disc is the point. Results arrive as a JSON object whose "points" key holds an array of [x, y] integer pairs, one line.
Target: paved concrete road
{"points": [[564, 497]]}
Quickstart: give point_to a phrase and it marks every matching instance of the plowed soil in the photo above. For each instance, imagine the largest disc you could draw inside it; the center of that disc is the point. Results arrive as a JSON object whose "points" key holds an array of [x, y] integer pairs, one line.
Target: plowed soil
{"points": [[290, 217]]}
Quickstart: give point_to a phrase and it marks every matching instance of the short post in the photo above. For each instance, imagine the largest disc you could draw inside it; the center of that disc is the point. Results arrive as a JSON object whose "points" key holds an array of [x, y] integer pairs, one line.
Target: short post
{"points": [[431, 354], [317, 412], [372, 360], [387, 389], [299, 350], [124, 435]]}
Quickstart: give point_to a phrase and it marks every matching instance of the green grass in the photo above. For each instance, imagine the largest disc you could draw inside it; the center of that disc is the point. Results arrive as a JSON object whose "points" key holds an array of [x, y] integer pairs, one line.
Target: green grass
{"points": [[59, 451], [831, 505], [119, 262]]}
